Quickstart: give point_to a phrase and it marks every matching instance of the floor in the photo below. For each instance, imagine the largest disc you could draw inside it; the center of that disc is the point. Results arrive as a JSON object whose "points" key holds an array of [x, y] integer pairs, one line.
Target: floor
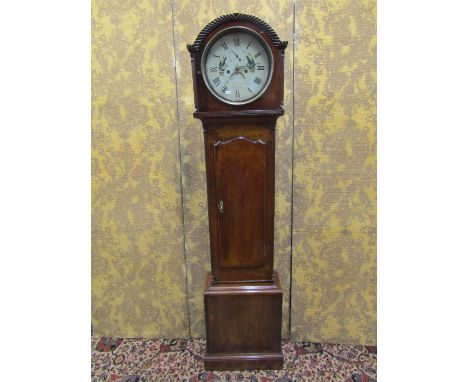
{"points": [[145, 360]]}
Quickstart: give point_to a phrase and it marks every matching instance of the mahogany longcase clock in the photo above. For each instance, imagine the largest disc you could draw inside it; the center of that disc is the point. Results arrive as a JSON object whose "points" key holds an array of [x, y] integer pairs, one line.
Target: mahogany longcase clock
{"points": [[237, 68]]}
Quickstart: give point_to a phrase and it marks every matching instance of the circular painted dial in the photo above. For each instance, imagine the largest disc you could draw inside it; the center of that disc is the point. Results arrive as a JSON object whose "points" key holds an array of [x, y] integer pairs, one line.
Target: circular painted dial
{"points": [[237, 66]]}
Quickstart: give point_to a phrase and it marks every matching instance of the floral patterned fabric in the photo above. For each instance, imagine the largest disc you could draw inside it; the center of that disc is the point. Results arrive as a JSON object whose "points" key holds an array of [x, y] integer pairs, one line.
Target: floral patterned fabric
{"points": [[334, 233], [144, 360]]}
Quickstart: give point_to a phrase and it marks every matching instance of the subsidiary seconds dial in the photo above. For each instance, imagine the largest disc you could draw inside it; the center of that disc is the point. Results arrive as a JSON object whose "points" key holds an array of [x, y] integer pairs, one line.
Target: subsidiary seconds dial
{"points": [[237, 66]]}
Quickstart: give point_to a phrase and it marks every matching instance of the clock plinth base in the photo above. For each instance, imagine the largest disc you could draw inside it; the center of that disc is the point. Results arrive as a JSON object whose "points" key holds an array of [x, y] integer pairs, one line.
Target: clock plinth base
{"points": [[244, 361], [243, 325]]}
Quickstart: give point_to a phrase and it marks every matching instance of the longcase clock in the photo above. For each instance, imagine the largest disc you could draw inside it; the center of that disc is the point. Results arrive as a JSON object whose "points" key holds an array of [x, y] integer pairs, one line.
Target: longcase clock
{"points": [[237, 68]]}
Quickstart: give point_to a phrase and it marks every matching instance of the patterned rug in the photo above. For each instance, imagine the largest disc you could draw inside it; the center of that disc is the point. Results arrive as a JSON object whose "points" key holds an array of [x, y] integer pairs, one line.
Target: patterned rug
{"points": [[148, 360]]}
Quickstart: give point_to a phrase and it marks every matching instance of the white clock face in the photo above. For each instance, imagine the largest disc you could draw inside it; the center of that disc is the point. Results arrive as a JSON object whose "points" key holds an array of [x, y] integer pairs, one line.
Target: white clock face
{"points": [[237, 66]]}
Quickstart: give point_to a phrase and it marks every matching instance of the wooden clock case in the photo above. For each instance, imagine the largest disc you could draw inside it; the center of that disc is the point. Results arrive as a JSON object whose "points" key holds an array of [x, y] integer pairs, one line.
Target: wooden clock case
{"points": [[243, 296]]}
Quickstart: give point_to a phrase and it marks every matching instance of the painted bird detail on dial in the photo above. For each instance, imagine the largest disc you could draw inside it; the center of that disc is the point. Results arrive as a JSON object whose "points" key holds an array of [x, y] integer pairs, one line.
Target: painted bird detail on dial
{"points": [[237, 67]]}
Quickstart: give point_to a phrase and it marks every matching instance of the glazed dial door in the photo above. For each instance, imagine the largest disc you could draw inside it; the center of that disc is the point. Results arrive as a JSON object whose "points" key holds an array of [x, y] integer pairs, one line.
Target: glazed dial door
{"points": [[237, 66]]}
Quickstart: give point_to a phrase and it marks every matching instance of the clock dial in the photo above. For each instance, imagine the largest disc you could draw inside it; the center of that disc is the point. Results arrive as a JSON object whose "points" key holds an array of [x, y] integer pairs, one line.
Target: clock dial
{"points": [[237, 66]]}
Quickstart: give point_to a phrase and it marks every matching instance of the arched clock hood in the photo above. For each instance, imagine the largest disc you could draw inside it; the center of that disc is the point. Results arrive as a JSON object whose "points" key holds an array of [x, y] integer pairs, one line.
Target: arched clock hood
{"points": [[208, 105]]}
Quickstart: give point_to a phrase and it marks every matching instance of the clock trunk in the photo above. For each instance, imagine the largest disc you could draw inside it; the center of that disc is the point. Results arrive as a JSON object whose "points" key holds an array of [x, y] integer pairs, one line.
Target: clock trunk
{"points": [[240, 176]]}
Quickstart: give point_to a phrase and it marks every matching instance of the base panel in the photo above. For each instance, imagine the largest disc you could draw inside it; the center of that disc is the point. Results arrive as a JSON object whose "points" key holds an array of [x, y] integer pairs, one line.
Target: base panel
{"points": [[244, 361], [243, 325]]}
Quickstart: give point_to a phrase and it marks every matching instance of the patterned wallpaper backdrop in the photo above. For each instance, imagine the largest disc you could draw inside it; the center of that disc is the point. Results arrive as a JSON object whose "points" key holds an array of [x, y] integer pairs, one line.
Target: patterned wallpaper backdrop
{"points": [[150, 224], [334, 212], [138, 272]]}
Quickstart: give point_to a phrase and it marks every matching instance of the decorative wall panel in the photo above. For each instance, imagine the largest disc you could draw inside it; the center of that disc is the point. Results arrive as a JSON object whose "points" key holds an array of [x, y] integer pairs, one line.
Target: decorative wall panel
{"points": [[189, 18], [138, 272], [334, 213]]}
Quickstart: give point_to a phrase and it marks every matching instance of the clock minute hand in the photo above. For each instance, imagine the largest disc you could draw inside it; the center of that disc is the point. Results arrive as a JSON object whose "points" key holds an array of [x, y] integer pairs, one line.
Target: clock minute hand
{"points": [[225, 84]]}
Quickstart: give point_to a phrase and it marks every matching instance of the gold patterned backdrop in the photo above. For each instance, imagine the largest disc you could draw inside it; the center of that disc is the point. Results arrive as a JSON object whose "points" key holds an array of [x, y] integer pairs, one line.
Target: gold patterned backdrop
{"points": [[334, 212], [150, 226], [138, 268]]}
